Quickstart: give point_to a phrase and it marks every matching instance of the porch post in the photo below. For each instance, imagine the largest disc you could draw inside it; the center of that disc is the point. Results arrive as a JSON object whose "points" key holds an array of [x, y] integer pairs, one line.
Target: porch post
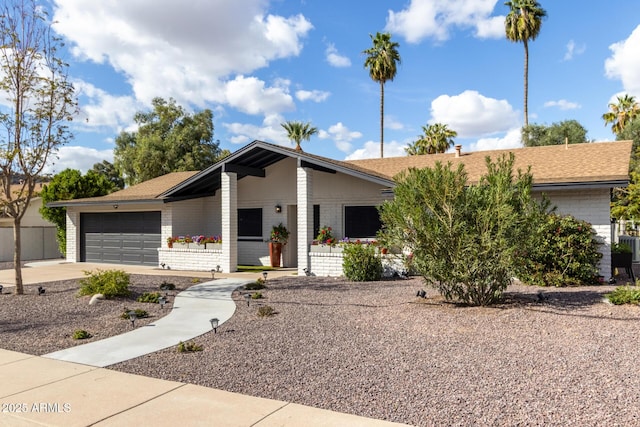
{"points": [[229, 198], [305, 217]]}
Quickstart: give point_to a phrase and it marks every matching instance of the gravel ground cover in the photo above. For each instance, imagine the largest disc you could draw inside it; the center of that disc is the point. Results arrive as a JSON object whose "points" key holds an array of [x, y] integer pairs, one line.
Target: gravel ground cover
{"points": [[543, 357]]}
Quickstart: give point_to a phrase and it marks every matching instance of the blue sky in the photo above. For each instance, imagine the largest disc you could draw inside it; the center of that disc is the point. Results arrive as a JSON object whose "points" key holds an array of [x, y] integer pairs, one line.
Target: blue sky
{"points": [[258, 63]]}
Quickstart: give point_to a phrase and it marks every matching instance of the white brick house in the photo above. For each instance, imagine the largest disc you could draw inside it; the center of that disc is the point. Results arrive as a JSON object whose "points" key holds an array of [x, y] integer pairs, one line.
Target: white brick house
{"points": [[262, 185]]}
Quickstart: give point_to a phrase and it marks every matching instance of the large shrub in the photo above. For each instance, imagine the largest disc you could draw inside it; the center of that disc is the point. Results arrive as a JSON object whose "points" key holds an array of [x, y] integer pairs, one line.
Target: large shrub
{"points": [[464, 238], [565, 253], [109, 283], [361, 263]]}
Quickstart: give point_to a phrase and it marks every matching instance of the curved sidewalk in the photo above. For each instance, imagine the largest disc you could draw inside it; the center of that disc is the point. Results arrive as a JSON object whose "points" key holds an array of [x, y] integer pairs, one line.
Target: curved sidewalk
{"points": [[189, 318]]}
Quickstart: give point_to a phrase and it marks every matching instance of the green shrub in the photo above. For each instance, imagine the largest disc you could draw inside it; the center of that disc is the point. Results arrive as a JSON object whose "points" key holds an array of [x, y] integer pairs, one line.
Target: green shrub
{"points": [[256, 295], [463, 237], [624, 295], [621, 248], [266, 311], [565, 253], [188, 347], [151, 297], [140, 314], [258, 284], [110, 283], [81, 334], [361, 263]]}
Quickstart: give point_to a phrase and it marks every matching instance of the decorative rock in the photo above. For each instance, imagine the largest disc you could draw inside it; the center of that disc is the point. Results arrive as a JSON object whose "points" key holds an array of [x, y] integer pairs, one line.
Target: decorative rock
{"points": [[94, 299]]}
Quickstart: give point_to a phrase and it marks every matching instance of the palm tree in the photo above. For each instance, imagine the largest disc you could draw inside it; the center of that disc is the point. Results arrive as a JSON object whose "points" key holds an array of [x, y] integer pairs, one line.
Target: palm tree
{"points": [[298, 132], [621, 113], [382, 60], [435, 138], [521, 25]]}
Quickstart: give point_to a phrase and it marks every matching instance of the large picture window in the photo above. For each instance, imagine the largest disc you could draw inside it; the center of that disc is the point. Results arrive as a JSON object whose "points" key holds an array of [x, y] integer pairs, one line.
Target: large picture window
{"points": [[361, 221], [250, 224]]}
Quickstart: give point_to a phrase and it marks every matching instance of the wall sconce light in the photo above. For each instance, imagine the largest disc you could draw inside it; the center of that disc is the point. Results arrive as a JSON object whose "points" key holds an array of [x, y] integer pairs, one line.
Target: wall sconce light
{"points": [[278, 209], [115, 206]]}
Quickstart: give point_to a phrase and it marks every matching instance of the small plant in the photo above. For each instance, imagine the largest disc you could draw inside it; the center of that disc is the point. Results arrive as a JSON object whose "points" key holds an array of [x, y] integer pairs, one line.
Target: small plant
{"points": [[110, 283], [166, 286], [195, 280], [325, 236], [258, 284], [361, 263], [621, 248], [81, 334], [624, 295], [140, 314], [256, 295], [266, 311], [151, 297], [279, 234], [188, 347]]}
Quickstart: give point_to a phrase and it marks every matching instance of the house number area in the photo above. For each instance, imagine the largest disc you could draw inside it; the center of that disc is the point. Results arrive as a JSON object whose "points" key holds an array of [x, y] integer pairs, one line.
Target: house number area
{"points": [[45, 407]]}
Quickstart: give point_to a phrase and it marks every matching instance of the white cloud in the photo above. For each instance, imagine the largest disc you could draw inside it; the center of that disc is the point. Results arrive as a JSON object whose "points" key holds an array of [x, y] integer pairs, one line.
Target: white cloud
{"points": [[270, 131], [390, 122], [371, 150], [434, 18], [624, 63], [573, 50], [341, 135], [249, 95], [74, 157], [187, 51], [102, 109], [312, 95], [562, 104], [511, 139], [335, 59], [473, 115]]}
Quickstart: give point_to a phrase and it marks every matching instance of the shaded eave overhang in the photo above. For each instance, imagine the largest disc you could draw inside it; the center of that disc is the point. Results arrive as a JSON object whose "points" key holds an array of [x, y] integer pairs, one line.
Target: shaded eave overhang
{"points": [[103, 202], [253, 160]]}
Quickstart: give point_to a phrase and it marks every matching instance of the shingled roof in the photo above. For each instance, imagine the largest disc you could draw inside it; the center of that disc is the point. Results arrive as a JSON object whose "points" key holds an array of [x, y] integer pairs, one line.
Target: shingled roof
{"points": [[555, 164], [600, 164]]}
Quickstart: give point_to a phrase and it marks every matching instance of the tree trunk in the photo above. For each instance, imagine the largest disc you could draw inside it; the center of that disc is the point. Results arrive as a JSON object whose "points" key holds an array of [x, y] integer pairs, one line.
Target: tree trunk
{"points": [[381, 119], [526, 83], [17, 262]]}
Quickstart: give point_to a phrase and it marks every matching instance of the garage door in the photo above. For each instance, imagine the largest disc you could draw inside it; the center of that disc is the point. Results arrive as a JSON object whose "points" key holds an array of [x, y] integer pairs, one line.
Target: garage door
{"points": [[120, 237]]}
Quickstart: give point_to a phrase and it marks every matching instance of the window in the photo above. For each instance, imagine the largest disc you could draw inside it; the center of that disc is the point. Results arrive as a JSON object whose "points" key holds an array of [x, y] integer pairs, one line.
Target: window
{"points": [[250, 224], [316, 220], [361, 221]]}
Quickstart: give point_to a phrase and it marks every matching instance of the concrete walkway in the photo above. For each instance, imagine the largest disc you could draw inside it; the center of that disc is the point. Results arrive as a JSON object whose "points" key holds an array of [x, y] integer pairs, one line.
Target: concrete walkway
{"points": [[189, 318]]}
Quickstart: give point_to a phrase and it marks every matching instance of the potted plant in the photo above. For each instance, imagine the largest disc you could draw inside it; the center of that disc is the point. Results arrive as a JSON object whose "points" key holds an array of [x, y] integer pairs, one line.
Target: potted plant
{"points": [[212, 242], [279, 237], [622, 257]]}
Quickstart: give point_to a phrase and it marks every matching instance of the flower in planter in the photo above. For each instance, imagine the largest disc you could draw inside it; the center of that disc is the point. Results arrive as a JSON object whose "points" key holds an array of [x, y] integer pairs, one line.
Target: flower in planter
{"points": [[211, 239], [279, 234], [325, 236]]}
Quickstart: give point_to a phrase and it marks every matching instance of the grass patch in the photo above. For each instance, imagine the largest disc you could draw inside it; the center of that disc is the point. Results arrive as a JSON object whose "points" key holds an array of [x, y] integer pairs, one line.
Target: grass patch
{"points": [[254, 268]]}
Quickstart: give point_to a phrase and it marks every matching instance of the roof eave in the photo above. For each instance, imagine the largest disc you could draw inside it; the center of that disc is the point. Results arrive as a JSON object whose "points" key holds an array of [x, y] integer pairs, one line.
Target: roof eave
{"points": [[103, 202]]}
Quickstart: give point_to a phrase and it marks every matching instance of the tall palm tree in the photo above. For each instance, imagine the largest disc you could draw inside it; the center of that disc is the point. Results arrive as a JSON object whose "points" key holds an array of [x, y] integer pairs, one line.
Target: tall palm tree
{"points": [[523, 23], [298, 132], [620, 114], [382, 60], [435, 138]]}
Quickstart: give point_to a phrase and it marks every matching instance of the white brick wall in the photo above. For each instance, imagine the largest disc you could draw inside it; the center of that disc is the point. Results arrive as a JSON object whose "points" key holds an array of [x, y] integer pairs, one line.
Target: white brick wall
{"points": [[305, 217], [229, 194], [73, 235], [190, 259]]}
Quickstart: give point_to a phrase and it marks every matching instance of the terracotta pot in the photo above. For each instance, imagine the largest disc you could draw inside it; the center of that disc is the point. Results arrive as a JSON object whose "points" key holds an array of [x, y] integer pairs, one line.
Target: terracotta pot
{"points": [[275, 252]]}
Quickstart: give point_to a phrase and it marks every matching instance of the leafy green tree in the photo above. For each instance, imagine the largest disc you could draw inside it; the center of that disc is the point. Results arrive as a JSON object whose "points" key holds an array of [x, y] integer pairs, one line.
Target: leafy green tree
{"points": [[523, 23], [39, 102], [68, 185], [168, 139], [571, 131], [464, 238], [621, 113], [110, 172], [626, 201], [435, 138], [298, 132], [382, 62]]}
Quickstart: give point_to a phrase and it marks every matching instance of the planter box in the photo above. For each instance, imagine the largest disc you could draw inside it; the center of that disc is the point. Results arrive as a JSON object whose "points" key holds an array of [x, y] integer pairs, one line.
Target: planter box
{"points": [[325, 249], [214, 246], [177, 245], [621, 260]]}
